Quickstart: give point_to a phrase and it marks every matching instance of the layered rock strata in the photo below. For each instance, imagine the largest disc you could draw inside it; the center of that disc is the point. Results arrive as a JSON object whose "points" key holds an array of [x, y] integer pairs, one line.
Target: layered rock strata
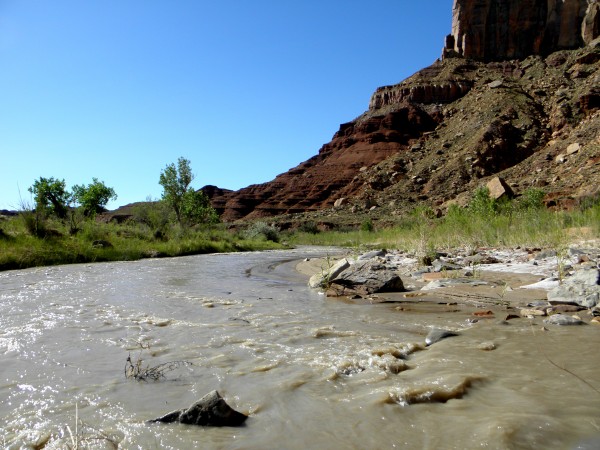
{"points": [[492, 30]]}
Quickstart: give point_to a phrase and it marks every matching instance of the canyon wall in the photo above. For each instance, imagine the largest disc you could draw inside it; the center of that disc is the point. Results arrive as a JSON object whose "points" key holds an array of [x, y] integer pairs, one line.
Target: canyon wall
{"points": [[499, 102], [495, 30]]}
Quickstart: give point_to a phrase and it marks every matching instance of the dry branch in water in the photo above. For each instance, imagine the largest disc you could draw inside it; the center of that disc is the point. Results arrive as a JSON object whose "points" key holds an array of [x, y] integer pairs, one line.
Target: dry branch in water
{"points": [[140, 372]]}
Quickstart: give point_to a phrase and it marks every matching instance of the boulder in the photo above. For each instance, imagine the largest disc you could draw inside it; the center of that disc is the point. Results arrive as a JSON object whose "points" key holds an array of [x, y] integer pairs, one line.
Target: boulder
{"points": [[440, 266], [590, 29], [340, 202], [573, 148], [366, 277], [581, 289], [323, 278], [499, 188], [372, 254], [210, 410], [101, 243]]}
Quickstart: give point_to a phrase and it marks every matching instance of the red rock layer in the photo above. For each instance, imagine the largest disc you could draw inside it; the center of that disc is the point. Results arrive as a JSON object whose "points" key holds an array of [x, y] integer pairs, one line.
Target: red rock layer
{"points": [[314, 184]]}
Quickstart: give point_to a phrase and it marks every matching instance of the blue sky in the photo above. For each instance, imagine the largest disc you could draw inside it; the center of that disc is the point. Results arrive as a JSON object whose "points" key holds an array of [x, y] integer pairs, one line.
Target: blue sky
{"points": [[244, 89]]}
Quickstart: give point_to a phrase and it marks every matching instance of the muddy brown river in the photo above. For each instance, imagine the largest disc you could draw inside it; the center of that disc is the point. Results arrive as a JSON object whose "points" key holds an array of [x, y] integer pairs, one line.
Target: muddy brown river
{"points": [[311, 372]]}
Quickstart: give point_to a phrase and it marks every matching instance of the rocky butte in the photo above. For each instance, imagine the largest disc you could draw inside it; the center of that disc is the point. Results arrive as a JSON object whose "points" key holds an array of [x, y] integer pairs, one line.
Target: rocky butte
{"points": [[516, 94]]}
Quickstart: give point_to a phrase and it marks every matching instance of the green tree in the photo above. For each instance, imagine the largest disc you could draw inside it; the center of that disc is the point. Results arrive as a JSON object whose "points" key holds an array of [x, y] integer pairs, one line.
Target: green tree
{"points": [[189, 206], [93, 197], [51, 196], [196, 208]]}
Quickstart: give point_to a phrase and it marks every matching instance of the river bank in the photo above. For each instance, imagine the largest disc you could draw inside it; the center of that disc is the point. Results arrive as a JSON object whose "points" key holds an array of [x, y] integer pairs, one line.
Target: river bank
{"points": [[502, 284]]}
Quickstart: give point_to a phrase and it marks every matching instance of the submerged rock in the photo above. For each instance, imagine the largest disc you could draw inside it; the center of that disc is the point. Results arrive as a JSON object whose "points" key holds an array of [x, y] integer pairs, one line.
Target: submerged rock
{"points": [[210, 410], [563, 319], [437, 334]]}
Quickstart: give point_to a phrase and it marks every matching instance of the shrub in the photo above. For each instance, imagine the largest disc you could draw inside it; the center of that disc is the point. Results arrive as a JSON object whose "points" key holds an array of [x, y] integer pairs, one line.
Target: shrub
{"points": [[482, 204], [155, 215], [531, 199], [367, 225], [261, 230], [309, 227]]}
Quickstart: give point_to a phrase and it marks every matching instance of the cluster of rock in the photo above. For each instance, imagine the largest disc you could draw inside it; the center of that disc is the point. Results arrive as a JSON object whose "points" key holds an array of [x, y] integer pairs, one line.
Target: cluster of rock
{"points": [[577, 292], [379, 271]]}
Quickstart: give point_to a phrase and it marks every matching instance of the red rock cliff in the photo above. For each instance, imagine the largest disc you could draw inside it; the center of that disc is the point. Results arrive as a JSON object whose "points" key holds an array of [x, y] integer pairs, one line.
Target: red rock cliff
{"points": [[494, 30]]}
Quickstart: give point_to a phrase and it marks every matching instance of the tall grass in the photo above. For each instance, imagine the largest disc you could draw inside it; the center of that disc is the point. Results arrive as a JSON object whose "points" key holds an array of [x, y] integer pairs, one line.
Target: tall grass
{"points": [[484, 223]]}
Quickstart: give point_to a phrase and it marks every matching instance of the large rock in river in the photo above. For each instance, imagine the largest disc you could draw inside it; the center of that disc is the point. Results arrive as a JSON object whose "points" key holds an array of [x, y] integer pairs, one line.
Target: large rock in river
{"points": [[364, 278], [210, 410]]}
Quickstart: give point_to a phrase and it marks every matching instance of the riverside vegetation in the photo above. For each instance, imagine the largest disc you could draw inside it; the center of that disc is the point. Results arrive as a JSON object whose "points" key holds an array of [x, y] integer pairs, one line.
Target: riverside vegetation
{"points": [[484, 222], [62, 226], [35, 238]]}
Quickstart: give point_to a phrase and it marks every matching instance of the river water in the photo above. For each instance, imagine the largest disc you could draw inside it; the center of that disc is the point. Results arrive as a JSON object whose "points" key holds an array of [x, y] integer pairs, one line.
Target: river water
{"points": [[311, 372]]}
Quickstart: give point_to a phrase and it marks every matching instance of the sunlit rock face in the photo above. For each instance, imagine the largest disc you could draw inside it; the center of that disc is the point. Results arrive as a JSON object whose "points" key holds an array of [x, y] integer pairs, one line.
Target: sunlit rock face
{"points": [[493, 30]]}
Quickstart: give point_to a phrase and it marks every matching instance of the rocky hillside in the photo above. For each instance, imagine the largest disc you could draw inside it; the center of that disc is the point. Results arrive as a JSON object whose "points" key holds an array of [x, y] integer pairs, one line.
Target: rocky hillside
{"points": [[516, 94]]}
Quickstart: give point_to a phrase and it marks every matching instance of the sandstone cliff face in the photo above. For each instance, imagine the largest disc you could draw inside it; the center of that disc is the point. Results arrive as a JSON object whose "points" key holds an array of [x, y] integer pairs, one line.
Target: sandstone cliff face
{"points": [[493, 30], [506, 99]]}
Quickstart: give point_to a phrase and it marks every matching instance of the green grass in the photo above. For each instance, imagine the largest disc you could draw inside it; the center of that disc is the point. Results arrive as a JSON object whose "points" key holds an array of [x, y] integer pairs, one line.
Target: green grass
{"points": [[19, 249]]}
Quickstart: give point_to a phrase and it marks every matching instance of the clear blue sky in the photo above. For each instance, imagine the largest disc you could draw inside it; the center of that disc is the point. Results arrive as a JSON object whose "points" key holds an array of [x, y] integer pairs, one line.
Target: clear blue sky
{"points": [[244, 89]]}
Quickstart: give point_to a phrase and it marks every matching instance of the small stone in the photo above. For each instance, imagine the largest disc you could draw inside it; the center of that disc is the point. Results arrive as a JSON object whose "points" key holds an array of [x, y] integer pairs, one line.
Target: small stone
{"points": [[527, 312], [495, 84], [487, 346], [484, 314], [573, 148]]}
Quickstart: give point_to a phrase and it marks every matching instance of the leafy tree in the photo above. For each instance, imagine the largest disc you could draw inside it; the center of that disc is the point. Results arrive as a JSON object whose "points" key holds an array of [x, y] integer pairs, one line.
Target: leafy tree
{"points": [[189, 206], [93, 197], [51, 196], [196, 208]]}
